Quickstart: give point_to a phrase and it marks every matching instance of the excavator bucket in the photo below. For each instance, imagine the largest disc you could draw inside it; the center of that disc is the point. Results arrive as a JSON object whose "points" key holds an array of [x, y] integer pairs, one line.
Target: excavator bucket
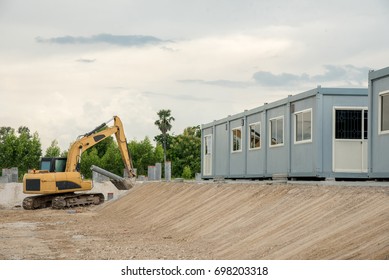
{"points": [[119, 182], [122, 184]]}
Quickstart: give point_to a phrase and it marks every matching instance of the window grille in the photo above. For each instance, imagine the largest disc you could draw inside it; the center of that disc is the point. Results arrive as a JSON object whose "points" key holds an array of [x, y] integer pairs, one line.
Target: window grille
{"points": [[348, 124]]}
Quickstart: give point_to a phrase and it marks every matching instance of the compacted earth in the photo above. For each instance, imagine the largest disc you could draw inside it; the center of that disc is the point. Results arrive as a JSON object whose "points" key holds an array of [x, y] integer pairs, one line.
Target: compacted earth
{"points": [[168, 220]]}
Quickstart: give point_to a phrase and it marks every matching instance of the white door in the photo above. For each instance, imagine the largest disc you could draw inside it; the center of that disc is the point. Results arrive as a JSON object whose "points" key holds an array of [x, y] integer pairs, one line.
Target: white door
{"points": [[350, 140], [207, 163]]}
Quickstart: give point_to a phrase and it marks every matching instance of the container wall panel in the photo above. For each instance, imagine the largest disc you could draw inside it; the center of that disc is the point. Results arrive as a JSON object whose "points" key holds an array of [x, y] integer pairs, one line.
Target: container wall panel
{"points": [[379, 161], [277, 154], [256, 145], [302, 136], [237, 147], [221, 150]]}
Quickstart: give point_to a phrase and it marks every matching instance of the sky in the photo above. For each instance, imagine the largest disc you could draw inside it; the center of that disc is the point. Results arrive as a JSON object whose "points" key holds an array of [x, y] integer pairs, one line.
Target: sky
{"points": [[67, 66]]}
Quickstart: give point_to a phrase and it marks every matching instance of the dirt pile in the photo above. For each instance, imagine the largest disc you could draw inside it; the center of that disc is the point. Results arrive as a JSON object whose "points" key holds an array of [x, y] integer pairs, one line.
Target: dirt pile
{"points": [[253, 221], [209, 221]]}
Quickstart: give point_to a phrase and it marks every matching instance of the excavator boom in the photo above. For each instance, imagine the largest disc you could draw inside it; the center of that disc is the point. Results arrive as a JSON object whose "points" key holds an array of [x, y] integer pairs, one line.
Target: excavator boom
{"points": [[95, 136]]}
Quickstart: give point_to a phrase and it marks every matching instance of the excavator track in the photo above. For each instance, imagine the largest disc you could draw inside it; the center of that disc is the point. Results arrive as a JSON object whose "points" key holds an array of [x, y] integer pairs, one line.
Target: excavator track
{"points": [[74, 200], [62, 201], [37, 202]]}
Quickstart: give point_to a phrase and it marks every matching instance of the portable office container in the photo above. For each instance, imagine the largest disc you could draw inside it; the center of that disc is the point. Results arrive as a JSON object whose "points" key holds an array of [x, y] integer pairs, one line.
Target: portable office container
{"points": [[320, 133], [379, 123]]}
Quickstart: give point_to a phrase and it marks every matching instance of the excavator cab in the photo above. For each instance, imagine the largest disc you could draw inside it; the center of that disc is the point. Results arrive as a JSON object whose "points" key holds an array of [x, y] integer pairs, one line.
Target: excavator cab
{"points": [[57, 164]]}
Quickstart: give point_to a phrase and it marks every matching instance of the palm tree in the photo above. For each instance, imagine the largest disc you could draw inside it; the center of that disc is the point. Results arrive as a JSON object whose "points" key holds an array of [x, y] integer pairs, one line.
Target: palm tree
{"points": [[164, 125]]}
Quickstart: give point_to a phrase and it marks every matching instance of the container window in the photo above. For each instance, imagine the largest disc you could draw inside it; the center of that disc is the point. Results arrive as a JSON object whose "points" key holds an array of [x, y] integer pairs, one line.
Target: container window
{"points": [[236, 139], [303, 130], [255, 136], [208, 145], [277, 131], [384, 112], [207, 163]]}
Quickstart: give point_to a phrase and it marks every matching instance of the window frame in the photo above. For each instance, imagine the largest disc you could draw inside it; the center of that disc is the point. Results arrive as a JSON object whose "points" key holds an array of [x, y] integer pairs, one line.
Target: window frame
{"points": [[297, 142], [232, 139], [283, 132], [249, 136], [380, 96], [206, 151]]}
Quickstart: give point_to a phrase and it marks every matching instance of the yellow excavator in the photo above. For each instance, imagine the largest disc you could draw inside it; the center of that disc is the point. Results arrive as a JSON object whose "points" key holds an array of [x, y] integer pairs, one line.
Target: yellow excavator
{"points": [[58, 183]]}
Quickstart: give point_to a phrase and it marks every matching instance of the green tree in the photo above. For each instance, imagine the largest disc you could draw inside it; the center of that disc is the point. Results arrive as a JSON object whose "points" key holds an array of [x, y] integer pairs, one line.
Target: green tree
{"points": [[103, 146], [95, 156], [187, 173], [144, 154], [64, 153], [87, 160], [5, 131], [53, 150], [193, 131], [185, 151], [28, 150], [7, 144], [112, 160], [33, 153], [164, 125], [21, 150], [106, 156], [160, 139], [158, 153]]}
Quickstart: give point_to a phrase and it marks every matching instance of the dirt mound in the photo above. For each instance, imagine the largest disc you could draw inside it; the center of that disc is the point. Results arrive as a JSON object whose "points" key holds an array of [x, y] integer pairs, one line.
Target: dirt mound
{"points": [[208, 221], [259, 221]]}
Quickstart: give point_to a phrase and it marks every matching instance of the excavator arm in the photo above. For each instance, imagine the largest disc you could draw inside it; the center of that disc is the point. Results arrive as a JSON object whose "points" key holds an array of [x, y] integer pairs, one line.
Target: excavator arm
{"points": [[95, 136]]}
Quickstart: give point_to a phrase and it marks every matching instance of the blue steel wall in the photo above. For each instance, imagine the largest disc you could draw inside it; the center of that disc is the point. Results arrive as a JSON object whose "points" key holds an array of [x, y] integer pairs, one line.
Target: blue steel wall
{"points": [[221, 153], [237, 159], [379, 142], [303, 158], [277, 156], [255, 158]]}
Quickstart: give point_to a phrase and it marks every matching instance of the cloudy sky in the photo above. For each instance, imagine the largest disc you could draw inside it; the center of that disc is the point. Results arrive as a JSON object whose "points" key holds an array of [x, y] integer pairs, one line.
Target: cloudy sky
{"points": [[66, 66]]}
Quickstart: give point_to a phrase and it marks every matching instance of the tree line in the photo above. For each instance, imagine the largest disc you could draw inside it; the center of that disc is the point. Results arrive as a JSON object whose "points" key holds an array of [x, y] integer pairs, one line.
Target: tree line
{"points": [[21, 148]]}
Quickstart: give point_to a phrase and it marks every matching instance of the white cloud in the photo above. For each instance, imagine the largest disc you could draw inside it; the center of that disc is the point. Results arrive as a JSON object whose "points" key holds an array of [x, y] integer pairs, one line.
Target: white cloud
{"points": [[120, 40], [203, 67]]}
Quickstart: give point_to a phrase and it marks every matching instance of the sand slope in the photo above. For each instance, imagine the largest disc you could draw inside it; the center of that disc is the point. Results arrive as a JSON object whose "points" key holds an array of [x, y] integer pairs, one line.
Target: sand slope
{"points": [[208, 221], [257, 221]]}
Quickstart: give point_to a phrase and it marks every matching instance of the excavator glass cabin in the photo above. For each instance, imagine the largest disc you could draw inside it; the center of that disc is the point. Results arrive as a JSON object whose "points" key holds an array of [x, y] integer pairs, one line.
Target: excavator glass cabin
{"points": [[53, 164]]}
